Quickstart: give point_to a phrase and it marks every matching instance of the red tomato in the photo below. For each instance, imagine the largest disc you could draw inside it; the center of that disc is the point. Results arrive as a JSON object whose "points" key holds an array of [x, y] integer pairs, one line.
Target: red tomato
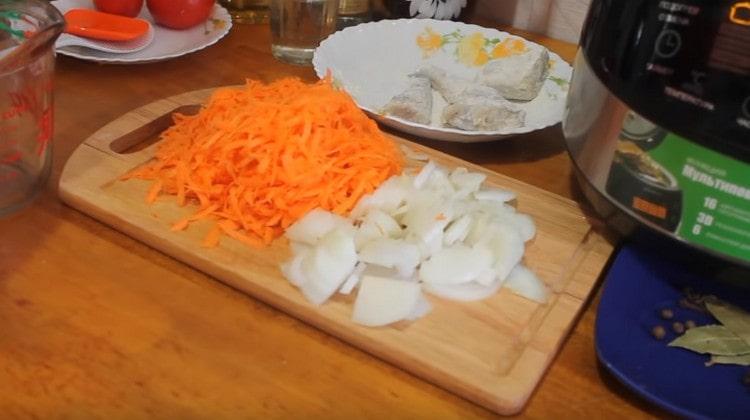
{"points": [[180, 14], [129, 8]]}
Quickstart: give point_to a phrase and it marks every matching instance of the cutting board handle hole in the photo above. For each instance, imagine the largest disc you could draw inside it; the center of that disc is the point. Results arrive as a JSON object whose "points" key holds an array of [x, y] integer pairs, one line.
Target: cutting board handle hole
{"points": [[148, 134]]}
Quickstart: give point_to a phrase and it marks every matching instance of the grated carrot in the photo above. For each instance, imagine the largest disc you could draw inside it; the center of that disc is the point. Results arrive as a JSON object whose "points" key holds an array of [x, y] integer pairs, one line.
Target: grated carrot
{"points": [[256, 159]]}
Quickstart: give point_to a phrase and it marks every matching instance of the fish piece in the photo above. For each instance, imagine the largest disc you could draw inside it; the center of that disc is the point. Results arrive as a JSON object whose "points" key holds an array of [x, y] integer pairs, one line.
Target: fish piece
{"points": [[477, 113], [517, 77], [453, 88], [413, 104]]}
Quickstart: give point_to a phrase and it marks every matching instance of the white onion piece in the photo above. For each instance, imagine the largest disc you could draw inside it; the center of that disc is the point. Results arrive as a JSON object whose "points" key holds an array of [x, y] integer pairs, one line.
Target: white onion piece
{"points": [[314, 225], [380, 271], [298, 247], [525, 225], [353, 280], [430, 245], [495, 194], [457, 230], [387, 225], [439, 183], [328, 265], [463, 292], [488, 277], [455, 265], [506, 245], [421, 308], [387, 197], [366, 232], [425, 220], [424, 174], [478, 230], [391, 253], [292, 269], [465, 181], [524, 282], [382, 301]]}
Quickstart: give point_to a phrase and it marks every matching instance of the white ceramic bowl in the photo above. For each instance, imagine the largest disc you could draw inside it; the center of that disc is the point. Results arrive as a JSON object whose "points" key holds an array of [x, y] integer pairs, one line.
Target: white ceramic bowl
{"points": [[372, 61]]}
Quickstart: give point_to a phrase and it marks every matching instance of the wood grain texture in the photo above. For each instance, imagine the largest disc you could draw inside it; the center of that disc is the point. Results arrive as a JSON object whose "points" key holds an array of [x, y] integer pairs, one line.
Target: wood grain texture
{"points": [[98, 325], [492, 352]]}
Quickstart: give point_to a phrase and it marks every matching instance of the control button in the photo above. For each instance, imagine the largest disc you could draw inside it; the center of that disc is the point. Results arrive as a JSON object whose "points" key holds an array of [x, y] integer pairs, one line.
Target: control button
{"points": [[746, 107], [668, 43]]}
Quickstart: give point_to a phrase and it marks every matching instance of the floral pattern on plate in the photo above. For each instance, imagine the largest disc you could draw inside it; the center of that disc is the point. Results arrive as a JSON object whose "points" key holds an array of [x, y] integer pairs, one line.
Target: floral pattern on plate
{"points": [[471, 49]]}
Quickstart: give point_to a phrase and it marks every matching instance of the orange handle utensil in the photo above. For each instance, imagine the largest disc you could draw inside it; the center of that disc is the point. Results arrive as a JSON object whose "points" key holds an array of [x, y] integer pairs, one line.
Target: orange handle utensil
{"points": [[98, 25]]}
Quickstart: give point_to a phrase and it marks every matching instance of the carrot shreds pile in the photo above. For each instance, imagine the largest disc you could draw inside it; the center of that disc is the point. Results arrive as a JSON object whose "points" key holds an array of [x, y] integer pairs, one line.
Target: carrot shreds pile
{"points": [[256, 159]]}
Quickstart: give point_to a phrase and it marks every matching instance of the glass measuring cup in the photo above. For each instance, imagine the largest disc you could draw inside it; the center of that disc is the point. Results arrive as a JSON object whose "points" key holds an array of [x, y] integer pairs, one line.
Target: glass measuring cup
{"points": [[28, 29]]}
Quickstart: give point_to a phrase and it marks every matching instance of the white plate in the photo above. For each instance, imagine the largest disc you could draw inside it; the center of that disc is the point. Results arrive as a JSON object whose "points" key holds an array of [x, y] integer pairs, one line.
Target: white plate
{"points": [[372, 61], [168, 43]]}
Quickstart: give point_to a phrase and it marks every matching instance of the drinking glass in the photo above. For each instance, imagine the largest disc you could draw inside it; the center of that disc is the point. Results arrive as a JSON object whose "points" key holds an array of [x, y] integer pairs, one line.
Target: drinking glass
{"points": [[247, 11], [298, 26]]}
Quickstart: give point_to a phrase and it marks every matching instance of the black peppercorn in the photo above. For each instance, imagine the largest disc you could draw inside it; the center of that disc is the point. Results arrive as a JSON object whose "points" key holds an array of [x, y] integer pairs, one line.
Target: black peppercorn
{"points": [[658, 332]]}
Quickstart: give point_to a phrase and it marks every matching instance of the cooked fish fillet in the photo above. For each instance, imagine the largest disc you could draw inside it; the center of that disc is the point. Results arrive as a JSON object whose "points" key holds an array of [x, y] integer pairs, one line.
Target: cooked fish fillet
{"points": [[477, 113], [413, 104], [452, 88], [518, 77]]}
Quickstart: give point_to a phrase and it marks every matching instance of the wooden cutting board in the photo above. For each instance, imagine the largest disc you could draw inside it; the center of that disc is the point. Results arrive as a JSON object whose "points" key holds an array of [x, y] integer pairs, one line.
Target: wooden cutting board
{"points": [[493, 352]]}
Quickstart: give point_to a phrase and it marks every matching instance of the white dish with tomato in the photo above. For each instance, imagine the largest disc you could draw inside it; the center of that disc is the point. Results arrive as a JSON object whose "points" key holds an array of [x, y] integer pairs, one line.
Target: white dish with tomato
{"points": [[180, 27]]}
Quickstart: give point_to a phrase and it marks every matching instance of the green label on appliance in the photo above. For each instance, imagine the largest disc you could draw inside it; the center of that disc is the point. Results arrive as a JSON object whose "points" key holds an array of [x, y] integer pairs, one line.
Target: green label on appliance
{"points": [[715, 195]]}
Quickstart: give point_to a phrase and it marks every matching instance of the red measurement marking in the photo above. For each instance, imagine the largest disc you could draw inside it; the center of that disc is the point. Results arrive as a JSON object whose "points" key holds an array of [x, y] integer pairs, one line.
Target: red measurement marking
{"points": [[45, 131], [21, 103], [11, 157]]}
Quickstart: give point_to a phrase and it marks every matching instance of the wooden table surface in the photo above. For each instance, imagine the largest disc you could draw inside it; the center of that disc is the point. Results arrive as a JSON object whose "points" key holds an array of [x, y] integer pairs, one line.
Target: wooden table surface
{"points": [[96, 324]]}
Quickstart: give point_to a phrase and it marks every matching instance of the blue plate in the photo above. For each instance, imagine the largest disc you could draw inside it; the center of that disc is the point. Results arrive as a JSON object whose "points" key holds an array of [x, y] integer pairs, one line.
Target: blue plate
{"points": [[638, 285]]}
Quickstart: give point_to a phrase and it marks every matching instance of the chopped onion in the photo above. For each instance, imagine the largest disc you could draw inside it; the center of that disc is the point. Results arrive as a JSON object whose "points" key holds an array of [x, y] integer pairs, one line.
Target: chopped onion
{"points": [[387, 225], [455, 265], [437, 230], [292, 269], [439, 183], [466, 182], [387, 197], [524, 282], [464, 292], [457, 230], [391, 253], [525, 225], [421, 308], [314, 225], [424, 174], [495, 194], [382, 301], [353, 280], [488, 277], [328, 265], [507, 246], [298, 247]]}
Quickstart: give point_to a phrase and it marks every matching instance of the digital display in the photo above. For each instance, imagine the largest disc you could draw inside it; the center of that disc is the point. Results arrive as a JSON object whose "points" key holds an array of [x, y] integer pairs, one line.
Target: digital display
{"points": [[740, 13]]}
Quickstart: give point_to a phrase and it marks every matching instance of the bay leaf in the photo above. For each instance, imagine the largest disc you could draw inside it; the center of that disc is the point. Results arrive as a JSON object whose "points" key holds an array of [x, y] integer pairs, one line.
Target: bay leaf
{"points": [[742, 359], [732, 317], [712, 339]]}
